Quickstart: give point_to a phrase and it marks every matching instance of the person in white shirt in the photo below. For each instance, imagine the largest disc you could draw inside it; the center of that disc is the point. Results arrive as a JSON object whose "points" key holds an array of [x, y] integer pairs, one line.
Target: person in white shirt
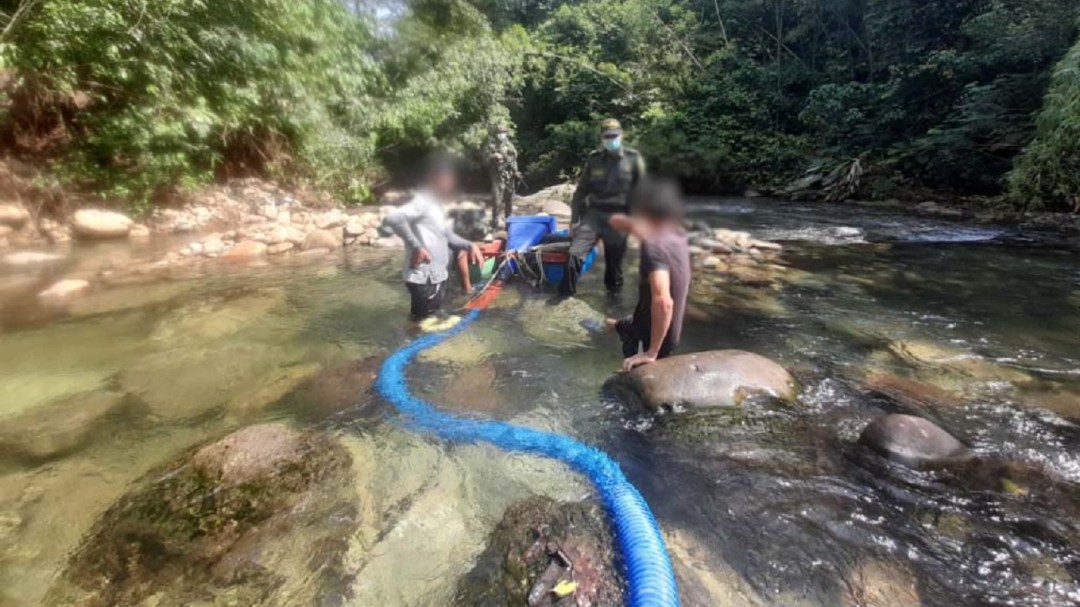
{"points": [[422, 224]]}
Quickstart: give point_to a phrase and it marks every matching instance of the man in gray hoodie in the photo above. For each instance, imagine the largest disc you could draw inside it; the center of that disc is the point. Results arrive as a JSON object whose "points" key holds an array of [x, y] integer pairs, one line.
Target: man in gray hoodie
{"points": [[429, 240]]}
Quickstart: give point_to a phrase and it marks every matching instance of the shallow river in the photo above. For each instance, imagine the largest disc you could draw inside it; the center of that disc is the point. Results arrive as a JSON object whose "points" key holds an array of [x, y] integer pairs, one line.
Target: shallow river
{"points": [[771, 504]]}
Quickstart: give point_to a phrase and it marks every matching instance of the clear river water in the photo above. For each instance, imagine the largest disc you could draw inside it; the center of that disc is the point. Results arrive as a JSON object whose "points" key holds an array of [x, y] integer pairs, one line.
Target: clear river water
{"points": [[975, 327]]}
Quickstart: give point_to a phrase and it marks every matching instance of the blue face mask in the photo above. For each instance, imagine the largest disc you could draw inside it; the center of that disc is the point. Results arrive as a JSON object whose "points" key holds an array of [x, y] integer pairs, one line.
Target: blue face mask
{"points": [[613, 144]]}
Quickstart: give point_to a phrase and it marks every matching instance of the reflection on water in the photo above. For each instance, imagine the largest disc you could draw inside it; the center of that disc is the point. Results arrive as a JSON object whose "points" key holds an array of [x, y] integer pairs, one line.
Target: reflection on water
{"points": [[770, 504]]}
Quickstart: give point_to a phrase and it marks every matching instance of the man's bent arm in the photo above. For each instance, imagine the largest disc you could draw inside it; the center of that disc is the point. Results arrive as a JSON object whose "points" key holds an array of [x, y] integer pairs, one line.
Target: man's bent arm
{"points": [[401, 222], [663, 309], [457, 243], [620, 222]]}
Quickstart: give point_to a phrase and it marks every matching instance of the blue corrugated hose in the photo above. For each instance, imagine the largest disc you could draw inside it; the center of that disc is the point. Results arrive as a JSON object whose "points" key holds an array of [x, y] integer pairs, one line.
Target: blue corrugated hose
{"points": [[650, 577]]}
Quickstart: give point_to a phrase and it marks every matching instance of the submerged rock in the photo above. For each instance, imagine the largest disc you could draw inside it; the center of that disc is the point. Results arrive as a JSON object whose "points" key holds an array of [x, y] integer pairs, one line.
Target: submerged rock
{"points": [[720, 378], [912, 441], [877, 583], [909, 392], [231, 520], [60, 427], [64, 289], [472, 388], [333, 390], [558, 324], [469, 348], [546, 553], [211, 377], [946, 361]]}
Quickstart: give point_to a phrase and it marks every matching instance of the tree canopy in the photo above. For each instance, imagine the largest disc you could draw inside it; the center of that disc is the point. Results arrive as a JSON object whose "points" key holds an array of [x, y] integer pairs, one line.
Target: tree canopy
{"points": [[135, 97]]}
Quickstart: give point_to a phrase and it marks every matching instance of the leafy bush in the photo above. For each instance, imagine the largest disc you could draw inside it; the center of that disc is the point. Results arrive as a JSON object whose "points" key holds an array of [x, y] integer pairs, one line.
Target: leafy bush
{"points": [[133, 97], [177, 89], [1047, 174]]}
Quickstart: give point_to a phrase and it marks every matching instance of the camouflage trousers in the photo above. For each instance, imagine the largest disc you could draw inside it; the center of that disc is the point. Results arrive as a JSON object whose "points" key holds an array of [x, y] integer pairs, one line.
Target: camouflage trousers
{"points": [[502, 197]]}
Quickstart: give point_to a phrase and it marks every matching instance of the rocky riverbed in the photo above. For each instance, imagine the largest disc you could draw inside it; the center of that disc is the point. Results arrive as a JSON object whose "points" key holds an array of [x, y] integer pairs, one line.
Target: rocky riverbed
{"points": [[925, 455], [250, 222]]}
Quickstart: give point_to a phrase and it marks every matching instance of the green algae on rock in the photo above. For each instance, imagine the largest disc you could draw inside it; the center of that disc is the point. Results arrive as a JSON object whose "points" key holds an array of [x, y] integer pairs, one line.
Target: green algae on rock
{"points": [[539, 544], [225, 519]]}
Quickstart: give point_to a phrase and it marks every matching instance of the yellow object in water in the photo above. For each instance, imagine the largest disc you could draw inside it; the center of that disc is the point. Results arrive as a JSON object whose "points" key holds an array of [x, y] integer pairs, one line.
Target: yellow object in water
{"points": [[1012, 488], [434, 325], [564, 588]]}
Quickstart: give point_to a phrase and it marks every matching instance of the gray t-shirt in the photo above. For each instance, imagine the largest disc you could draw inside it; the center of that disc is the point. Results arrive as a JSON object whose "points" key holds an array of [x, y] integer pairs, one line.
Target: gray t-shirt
{"points": [[668, 250], [422, 224]]}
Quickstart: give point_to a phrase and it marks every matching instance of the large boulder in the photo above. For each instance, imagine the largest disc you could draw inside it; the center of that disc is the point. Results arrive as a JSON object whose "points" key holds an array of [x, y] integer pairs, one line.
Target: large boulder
{"points": [[546, 554], [13, 216], [231, 521], [556, 208], [322, 239], [98, 223], [720, 378], [912, 441]]}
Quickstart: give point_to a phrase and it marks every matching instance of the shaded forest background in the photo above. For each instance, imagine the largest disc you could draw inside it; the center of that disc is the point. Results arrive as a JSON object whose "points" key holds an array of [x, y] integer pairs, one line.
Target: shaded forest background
{"points": [[135, 98]]}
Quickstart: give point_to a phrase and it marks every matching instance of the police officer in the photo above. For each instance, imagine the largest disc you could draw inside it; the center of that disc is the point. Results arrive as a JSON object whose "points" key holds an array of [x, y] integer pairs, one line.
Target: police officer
{"points": [[606, 180], [503, 169]]}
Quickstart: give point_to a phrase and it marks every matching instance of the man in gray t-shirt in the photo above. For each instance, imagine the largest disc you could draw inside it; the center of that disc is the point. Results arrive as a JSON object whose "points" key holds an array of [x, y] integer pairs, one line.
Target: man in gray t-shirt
{"points": [[422, 224], [653, 331]]}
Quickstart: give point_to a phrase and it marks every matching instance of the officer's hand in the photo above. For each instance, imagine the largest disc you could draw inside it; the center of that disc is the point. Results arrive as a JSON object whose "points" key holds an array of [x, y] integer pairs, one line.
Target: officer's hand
{"points": [[420, 257]]}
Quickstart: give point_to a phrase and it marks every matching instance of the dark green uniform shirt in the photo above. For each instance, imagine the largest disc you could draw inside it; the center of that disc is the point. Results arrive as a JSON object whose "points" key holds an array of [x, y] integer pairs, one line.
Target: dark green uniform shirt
{"points": [[606, 181]]}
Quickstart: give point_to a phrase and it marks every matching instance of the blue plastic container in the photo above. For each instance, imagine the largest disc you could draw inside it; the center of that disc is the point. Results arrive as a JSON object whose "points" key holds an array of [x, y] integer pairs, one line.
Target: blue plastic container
{"points": [[525, 231]]}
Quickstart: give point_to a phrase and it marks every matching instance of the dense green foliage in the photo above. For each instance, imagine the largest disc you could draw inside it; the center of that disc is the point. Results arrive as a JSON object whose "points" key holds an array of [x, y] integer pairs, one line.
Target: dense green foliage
{"points": [[932, 93], [169, 90], [936, 94], [147, 94], [1048, 173]]}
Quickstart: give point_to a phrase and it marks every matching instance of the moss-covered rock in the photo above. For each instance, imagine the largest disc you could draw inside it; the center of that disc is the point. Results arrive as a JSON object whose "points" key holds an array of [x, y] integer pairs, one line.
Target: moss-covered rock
{"points": [[332, 390], [232, 518], [541, 545]]}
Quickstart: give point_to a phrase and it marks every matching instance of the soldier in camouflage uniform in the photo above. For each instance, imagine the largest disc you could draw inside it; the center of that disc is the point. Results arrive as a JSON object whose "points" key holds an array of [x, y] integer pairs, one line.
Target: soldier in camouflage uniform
{"points": [[503, 169], [603, 189]]}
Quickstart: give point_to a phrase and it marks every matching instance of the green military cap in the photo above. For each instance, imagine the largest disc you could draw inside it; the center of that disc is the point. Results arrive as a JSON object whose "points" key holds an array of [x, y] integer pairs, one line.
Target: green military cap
{"points": [[610, 127]]}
